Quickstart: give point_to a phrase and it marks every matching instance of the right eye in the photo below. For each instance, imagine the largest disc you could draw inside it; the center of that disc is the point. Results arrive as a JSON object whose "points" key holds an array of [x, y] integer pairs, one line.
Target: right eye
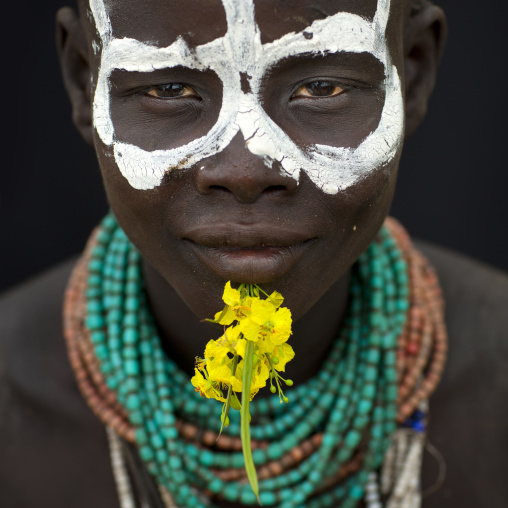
{"points": [[171, 91]]}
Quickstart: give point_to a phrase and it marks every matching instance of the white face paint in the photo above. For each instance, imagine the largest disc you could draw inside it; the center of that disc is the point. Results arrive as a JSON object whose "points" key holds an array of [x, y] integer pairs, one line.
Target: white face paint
{"points": [[240, 51]]}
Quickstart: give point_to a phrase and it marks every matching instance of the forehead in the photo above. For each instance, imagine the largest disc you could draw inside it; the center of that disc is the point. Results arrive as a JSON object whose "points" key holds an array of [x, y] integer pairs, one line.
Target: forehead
{"points": [[160, 22]]}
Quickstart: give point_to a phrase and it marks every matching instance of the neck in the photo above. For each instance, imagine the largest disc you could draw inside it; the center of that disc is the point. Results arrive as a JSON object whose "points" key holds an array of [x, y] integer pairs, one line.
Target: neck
{"points": [[184, 336]]}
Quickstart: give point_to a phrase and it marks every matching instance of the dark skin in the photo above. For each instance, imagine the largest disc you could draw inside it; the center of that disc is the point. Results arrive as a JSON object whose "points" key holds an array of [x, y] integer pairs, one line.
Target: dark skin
{"points": [[56, 454], [247, 203], [236, 197]]}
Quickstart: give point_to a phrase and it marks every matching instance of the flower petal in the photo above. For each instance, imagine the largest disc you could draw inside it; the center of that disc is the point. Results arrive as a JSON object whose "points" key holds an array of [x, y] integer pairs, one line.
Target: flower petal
{"points": [[225, 316], [250, 329], [231, 296], [263, 311], [205, 387], [276, 298], [216, 350], [284, 352]]}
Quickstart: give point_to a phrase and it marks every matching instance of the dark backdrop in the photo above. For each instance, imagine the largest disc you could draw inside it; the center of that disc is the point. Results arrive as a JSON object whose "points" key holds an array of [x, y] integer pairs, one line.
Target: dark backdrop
{"points": [[454, 175]]}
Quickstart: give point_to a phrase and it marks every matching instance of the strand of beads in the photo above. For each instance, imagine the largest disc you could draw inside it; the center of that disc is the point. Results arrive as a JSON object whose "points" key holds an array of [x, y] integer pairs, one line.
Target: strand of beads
{"points": [[372, 496], [380, 314], [88, 373], [422, 348], [120, 473], [353, 397]]}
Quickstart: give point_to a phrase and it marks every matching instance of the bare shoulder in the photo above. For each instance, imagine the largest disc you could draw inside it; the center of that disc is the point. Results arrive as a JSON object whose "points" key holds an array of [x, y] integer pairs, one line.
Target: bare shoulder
{"points": [[469, 414], [30, 317], [476, 298], [31, 354], [52, 445]]}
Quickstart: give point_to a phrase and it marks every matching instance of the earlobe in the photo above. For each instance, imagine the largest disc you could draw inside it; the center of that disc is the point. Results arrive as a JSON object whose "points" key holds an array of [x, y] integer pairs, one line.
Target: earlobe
{"points": [[74, 62], [424, 43]]}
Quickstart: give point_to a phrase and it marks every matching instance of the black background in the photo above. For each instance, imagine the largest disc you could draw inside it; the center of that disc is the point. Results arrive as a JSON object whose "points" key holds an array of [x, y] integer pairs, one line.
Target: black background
{"points": [[453, 185]]}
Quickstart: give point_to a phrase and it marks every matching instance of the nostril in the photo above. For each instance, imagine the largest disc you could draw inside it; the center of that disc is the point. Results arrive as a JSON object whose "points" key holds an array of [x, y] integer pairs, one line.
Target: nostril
{"points": [[220, 188], [275, 188]]}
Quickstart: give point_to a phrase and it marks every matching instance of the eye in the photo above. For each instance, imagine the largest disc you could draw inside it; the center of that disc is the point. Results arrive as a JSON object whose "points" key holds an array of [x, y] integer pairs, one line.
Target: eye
{"points": [[319, 89], [171, 91]]}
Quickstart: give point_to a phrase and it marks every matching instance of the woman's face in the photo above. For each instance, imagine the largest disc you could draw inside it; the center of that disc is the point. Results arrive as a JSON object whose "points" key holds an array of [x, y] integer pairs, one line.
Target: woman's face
{"points": [[248, 141]]}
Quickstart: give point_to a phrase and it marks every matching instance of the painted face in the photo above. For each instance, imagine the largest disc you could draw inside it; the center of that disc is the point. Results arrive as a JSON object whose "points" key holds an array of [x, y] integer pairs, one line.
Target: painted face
{"points": [[248, 141], [241, 61]]}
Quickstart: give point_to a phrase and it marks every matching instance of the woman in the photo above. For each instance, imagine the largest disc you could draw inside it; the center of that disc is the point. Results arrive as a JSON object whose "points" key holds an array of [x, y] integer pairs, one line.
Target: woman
{"points": [[258, 144]]}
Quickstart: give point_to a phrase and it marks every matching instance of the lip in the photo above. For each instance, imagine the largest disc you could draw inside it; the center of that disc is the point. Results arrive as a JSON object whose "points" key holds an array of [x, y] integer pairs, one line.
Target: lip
{"points": [[249, 254]]}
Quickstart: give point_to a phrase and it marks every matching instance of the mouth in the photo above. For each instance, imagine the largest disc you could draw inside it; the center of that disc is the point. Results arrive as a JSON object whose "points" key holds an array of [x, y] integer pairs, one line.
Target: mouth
{"points": [[254, 255]]}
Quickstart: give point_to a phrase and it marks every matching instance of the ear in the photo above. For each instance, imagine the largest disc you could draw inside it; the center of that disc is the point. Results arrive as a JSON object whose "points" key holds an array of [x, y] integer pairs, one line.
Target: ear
{"points": [[424, 42], [74, 62]]}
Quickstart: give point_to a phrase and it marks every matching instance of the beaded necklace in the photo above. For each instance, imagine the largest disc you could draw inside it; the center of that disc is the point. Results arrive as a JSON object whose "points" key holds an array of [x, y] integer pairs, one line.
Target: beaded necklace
{"points": [[322, 450]]}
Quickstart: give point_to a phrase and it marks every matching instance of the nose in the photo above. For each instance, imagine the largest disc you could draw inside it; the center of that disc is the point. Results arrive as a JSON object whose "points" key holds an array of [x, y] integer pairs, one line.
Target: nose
{"points": [[240, 172]]}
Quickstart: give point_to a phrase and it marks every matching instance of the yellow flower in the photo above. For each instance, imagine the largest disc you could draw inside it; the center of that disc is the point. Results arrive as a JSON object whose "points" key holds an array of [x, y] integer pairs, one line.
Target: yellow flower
{"points": [[262, 311], [258, 324], [232, 335], [237, 308], [260, 376], [221, 372], [225, 317], [276, 298], [258, 338], [224, 344], [231, 296], [266, 323], [284, 352], [205, 387], [240, 347], [281, 326], [219, 356], [216, 350]]}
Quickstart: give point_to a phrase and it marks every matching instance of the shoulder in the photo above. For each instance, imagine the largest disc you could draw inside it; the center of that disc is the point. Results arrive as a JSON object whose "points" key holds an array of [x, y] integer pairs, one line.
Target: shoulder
{"points": [[469, 414], [476, 303], [31, 332], [50, 439], [467, 282]]}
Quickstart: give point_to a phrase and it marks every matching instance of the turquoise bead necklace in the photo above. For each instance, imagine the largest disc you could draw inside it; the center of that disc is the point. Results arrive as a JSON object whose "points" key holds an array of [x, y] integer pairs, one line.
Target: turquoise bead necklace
{"points": [[352, 400]]}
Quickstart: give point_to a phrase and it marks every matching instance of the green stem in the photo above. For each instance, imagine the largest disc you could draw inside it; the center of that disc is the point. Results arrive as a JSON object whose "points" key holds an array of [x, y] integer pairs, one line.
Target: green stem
{"points": [[245, 423], [265, 293]]}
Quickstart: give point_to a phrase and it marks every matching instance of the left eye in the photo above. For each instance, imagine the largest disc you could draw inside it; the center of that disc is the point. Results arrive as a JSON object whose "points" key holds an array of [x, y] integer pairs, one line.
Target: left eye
{"points": [[319, 89], [171, 91]]}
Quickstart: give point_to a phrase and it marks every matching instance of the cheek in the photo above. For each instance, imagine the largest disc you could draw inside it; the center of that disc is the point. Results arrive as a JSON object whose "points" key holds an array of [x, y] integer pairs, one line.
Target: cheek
{"points": [[134, 209], [357, 215], [352, 219], [150, 217]]}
